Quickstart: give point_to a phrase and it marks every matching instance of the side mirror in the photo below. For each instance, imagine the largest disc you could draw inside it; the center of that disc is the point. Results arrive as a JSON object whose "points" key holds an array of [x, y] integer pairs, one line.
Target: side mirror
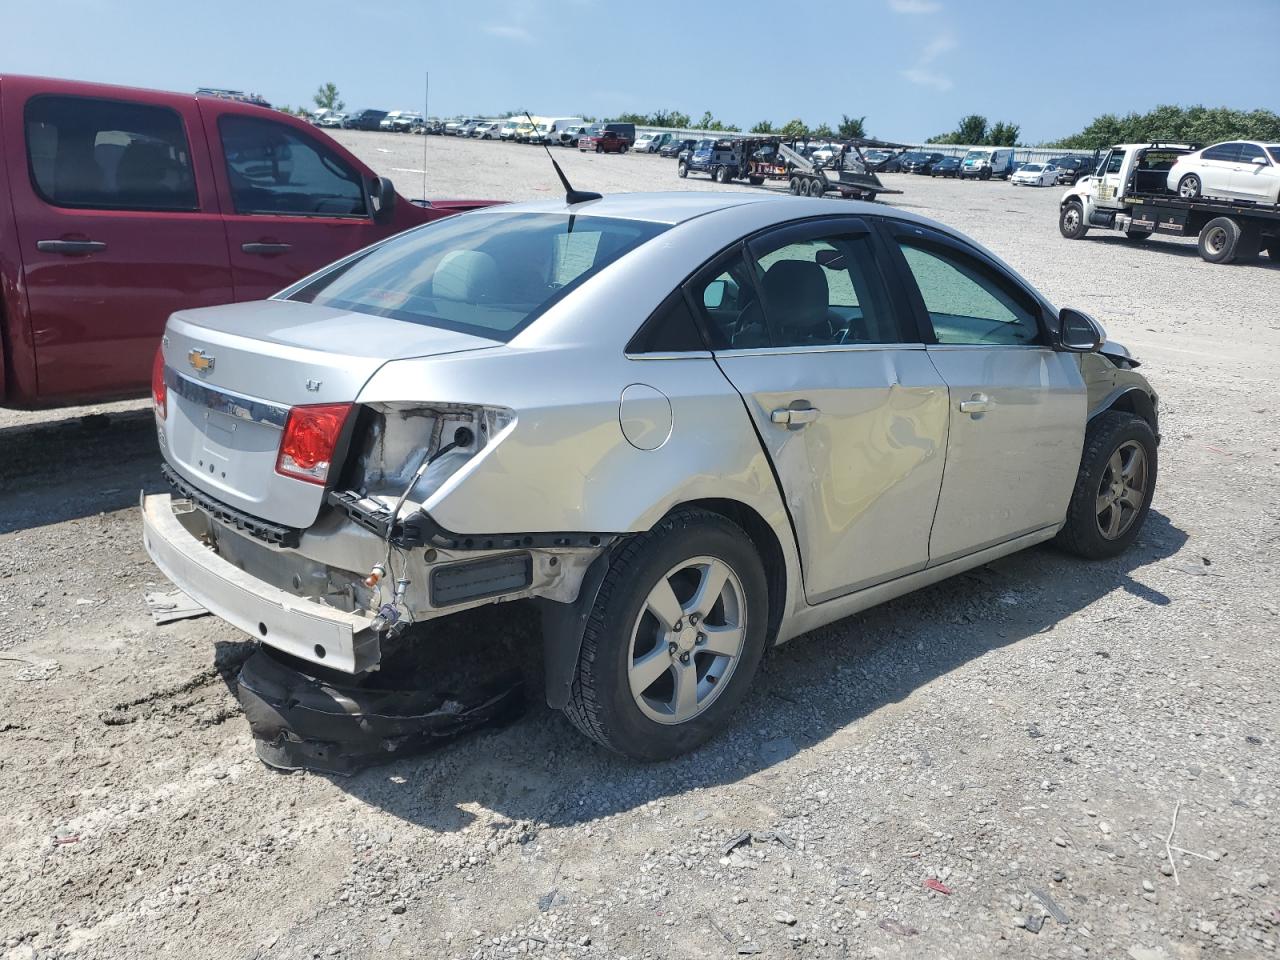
{"points": [[1078, 332], [713, 295], [1260, 161], [382, 195]]}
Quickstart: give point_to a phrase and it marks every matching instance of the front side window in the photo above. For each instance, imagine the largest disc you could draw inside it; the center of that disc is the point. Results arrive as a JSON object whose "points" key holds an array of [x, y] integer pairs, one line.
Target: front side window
{"points": [[968, 302], [275, 170], [1250, 151], [1115, 161], [490, 275], [108, 155]]}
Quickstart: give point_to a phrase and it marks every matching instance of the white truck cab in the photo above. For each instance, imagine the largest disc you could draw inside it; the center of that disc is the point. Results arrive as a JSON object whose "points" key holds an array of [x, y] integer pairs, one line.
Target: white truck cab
{"points": [[1129, 192]]}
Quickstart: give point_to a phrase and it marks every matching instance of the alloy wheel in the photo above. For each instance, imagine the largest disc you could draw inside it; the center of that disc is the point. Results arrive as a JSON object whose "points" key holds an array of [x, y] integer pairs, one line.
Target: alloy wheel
{"points": [[687, 640], [1123, 490]]}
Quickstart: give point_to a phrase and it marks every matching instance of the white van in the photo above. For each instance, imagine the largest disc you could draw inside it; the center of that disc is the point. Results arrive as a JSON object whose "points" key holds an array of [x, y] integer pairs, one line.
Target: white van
{"points": [[987, 162], [556, 129]]}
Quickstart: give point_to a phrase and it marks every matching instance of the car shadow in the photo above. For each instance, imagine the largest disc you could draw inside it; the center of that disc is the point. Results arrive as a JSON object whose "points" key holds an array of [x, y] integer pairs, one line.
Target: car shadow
{"points": [[539, 770], [72, 468], [1187, 251]]}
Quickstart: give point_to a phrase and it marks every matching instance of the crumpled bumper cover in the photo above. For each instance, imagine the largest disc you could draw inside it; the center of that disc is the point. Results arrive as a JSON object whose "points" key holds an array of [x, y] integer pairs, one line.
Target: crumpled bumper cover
{"points": [[304, 719]]}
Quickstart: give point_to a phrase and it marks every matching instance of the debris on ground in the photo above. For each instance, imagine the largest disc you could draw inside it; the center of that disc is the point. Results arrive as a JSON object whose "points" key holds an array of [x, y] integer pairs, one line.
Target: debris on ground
{"points": [[933, 883], [1051, 905], [166, 607]]}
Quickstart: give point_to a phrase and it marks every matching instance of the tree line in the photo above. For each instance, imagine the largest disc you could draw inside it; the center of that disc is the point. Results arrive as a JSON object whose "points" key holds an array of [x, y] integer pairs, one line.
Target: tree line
{"points": [[1168, 122]]}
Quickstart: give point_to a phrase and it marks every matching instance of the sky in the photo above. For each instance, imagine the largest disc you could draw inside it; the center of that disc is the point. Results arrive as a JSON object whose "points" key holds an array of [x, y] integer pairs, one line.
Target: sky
{"points": [[911, 67]]}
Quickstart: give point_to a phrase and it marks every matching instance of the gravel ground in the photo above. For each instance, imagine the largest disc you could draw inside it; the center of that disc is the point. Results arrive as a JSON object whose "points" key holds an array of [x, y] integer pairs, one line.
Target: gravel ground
{"points": [[1025, 735]]}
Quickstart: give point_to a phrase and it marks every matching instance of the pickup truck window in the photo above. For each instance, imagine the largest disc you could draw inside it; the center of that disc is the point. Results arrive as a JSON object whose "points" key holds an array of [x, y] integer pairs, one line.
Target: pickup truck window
{"points": [[85, 152], [276, 171]]}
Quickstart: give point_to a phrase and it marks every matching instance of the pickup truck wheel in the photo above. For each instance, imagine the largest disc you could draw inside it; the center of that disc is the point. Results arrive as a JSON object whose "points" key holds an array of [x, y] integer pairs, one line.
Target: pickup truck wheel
{"points": [[723, 175], [1220, 240], [1071, 221], [674, 638], [1113, 489], [599, 149], [1189, 186], [623, 148], [682, 169]]}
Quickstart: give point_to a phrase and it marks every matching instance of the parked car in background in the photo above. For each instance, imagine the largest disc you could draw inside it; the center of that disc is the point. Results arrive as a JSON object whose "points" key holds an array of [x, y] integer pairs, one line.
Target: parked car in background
{"points": [[710, 157], [568, 137], [946, 167], [1236, 170], [555, 130], [132, 204], [652, 142], [1035, 175], [431, 125], [367, 119], [673, 148], [389, 121], [406, 121], [1071, 169], [332, 120], [508, 129], [608, 138], [489, 130], [671, 530], [919, 161], [983, 163], [524, 130]]}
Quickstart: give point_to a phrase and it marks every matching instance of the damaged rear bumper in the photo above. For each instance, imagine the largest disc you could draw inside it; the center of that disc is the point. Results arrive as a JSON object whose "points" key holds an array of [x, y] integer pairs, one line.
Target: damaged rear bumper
{"points": [[304, 628]]}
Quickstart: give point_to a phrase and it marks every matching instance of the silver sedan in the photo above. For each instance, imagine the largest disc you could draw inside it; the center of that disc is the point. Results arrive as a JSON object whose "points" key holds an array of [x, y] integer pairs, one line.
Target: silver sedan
{"points": [[690, 426]]}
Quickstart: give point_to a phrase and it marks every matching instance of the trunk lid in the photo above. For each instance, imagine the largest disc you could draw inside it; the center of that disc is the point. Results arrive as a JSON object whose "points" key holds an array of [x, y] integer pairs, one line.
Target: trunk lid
{"points": [[234, 371]]}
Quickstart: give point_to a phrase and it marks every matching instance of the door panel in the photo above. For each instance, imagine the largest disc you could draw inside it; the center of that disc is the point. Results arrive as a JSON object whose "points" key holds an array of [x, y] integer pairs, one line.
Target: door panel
{"points": [[1254, 181], [861, 480], [1010, 469], [292, 203], [118, 225]]}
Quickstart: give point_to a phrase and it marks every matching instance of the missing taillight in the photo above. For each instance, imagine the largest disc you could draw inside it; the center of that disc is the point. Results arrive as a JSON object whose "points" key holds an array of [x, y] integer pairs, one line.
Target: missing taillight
{"points": [[159, 390], [311, 436]]}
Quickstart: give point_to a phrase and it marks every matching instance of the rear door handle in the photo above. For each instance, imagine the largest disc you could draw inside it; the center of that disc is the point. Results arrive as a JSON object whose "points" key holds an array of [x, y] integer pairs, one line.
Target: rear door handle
{"points": [[978, 403], [794, 416], [70, 248], [266, 249]]}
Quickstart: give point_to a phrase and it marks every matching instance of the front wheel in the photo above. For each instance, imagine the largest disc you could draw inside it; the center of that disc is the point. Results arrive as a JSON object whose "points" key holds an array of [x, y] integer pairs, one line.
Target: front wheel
{"points": [[1071, 221], [723, 175], [1114, 487], [682, 169], [673, 639]]}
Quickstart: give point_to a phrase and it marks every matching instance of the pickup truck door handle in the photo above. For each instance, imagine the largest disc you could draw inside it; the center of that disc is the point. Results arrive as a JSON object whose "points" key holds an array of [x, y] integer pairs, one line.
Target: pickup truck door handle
{"points": [[70, 248], [978, 403], [794, 416], [266, 249]]}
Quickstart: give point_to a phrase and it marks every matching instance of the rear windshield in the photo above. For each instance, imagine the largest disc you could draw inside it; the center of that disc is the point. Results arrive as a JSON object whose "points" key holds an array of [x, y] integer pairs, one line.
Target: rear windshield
{"points": [[490, 275]]}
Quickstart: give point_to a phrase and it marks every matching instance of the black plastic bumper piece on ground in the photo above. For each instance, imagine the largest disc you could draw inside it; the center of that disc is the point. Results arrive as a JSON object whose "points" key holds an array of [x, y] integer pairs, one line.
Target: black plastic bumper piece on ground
{"points": [[302, 720]]}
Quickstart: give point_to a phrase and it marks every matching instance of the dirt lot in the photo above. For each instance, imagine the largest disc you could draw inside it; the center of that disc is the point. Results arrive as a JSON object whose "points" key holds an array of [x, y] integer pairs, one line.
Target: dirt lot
{"points": [[1025, 733]]}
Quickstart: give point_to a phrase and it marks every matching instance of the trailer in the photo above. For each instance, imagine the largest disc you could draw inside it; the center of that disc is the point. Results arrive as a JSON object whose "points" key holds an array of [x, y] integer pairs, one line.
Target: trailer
{"points": [[1129, 193], [760, 159]]}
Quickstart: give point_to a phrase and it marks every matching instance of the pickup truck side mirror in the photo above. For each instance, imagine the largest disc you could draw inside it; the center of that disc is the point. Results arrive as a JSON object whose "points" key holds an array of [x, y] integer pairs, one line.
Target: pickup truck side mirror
{"points": [[1078, 332], [382, 196]]}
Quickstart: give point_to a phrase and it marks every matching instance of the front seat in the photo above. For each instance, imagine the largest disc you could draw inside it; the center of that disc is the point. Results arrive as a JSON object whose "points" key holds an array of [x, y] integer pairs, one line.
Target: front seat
{"points": [[797, 300], [145, 176]]}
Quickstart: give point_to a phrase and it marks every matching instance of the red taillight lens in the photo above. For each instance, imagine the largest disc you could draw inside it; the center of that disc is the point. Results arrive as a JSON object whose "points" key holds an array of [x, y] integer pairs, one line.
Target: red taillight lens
{"points": [[159, 392], [310, 437]]}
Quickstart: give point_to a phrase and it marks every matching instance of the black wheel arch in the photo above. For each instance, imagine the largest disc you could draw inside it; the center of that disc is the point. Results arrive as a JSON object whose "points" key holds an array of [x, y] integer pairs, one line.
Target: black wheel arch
{"points": [[1136, 401]]}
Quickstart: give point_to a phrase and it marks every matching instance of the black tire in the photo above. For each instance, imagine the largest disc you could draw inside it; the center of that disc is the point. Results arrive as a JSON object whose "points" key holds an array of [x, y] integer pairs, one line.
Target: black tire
{"points": [[1137, 234], [682, 169], [1071, 222], [723, 175], [601, 704], [795, 186], [985, 175], [623, 148], [1273, 250], [755, 181], [1190, 186], [816, 187], [1106, 435], [1220, 240]]}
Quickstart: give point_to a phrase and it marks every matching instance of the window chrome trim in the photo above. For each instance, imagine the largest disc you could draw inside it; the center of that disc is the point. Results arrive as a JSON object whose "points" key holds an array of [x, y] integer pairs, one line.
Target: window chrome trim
{"points": [[224, 401], [672, 355], [821, 348], [990, 346]]}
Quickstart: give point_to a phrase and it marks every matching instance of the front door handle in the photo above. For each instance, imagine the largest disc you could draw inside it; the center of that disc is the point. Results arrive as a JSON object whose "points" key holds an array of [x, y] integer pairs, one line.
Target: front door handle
{"points": [[70, 248], [978, 403], [266, 249], [794, 416]]}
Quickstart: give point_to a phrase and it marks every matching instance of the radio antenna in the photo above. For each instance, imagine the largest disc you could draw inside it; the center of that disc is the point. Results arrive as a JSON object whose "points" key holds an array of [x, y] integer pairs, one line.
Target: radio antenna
{"points": [[426, 97], [570, 195]]}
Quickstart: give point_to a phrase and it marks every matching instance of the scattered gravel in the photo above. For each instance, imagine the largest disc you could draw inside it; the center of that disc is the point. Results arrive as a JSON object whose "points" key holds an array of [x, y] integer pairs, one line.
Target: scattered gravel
{"points": [[1022, 734]]}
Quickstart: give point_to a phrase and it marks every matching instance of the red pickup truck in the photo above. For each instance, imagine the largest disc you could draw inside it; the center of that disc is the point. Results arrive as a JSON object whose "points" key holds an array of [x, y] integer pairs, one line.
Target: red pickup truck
{"points": [[119, 206]]}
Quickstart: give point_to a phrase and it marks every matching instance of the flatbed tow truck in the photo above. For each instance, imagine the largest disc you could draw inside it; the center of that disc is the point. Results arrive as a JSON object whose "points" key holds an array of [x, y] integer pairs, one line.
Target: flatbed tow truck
{"points": [[1129, 193]]}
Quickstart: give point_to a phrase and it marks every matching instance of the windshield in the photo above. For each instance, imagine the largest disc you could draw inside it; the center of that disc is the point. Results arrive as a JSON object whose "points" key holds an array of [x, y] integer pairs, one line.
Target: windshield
{"points": [[1032, 167], [977, 155], [490, 275]]}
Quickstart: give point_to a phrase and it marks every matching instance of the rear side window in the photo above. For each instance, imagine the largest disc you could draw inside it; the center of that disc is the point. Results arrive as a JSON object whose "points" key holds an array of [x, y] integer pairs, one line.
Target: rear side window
{"points": [[488, 274], [275, 170], [108, 155], [1228, 152], [968, 302]]}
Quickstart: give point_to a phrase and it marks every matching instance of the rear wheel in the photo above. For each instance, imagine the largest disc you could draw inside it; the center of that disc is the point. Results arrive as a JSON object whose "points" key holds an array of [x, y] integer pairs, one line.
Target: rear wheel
{"points": [[1189, 186], [817, 188], [682, 169], [673, 639], [755, 181], [1071, 220], [1273, 250], [723, 175], [1221, 240], [1137, 234], [1113, 488], [796, 186]]}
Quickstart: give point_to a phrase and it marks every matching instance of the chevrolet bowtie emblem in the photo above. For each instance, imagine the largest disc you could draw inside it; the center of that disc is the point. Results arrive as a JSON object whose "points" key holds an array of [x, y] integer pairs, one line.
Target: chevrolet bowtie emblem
{"points": [[200, 361]]}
